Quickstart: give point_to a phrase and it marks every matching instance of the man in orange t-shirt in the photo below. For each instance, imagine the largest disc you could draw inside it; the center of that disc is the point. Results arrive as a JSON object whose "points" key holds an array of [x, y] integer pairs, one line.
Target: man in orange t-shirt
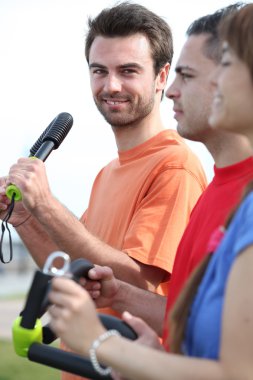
{"points": [[140, 203]]}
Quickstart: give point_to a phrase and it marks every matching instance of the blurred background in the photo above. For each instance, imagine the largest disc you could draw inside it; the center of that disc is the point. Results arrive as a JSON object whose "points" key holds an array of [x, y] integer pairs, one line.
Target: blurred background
{"points": [[43, 72]]}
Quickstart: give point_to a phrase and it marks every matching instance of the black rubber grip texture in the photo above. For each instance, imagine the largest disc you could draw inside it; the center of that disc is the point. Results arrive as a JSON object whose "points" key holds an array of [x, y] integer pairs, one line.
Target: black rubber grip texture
{"points": [[59, 129], [38, 143], [64, 361]]}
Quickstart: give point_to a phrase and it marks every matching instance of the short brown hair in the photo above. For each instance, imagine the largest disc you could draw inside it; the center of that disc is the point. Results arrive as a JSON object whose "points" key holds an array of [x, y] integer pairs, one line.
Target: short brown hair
{"points": [[126, 19]]}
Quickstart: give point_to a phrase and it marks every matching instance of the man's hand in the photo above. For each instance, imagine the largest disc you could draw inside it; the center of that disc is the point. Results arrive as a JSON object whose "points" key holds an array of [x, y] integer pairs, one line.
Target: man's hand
{"points": [[19, 213], [102, 286], [29, 175]]}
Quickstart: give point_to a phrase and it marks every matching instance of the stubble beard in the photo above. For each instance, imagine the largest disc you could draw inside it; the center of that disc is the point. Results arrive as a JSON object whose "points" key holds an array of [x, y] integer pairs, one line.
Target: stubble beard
{"points": [[193, 131], [130, 117]]}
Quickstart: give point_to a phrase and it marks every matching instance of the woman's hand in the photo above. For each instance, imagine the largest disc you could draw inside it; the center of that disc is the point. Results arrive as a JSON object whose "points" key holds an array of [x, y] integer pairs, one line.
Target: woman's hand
{"points": [[146, 335], [73, 315]]}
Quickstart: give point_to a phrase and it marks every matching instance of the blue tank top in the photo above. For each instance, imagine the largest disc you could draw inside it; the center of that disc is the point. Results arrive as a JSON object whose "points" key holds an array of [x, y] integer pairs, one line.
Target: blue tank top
{"points": [[203, 330]]}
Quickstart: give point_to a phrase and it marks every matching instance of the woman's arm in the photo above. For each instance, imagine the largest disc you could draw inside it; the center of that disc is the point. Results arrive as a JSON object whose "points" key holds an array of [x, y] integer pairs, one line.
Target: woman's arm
{"points": [[237, 326], [74, 319], [236, 343]]}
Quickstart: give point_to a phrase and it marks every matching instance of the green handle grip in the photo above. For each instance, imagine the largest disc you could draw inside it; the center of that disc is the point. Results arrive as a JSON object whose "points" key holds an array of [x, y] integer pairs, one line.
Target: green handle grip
{"points": [[12, 189], [23, 338]]}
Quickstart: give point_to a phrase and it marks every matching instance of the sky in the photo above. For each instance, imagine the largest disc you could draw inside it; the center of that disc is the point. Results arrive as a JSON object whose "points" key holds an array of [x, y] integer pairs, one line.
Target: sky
{"points": [[43, 72]]}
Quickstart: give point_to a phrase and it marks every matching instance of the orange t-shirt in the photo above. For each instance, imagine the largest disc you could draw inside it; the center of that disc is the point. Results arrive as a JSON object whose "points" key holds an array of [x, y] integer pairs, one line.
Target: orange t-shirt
{"points": [[141, 202]]}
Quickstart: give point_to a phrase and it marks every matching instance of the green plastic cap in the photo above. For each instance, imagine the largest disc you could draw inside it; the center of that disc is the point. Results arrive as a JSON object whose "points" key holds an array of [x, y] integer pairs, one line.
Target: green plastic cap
{"points": [[23, 338], [12, 189]]}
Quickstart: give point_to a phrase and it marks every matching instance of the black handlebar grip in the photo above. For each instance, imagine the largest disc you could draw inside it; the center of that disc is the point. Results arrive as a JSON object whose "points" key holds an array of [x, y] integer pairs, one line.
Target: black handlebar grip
{"points": [[64, 361], [34, 299], [80, 268], [110, 322]]}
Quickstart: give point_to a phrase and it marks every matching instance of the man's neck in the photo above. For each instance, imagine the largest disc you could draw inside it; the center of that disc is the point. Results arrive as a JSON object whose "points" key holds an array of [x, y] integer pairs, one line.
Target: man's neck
{"points": [[228, 149], [133, 135]]}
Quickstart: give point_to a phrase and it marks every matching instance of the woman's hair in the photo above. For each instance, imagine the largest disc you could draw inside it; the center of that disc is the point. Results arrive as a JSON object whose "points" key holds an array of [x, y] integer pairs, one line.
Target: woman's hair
{"points": [[180, 312], [237, 30]]}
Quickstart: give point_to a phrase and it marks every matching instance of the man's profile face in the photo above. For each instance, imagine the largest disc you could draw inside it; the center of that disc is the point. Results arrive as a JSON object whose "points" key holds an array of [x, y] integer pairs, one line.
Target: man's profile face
{"points": [[191, 91]]}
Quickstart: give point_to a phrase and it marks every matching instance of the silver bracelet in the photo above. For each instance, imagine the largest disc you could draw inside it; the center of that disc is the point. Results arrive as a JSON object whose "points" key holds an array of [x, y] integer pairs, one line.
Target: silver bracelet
{"points": [[93, 356]]}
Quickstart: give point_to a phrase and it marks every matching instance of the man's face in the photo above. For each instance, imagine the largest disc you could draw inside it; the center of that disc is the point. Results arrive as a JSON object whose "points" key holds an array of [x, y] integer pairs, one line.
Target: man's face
{"points": [[122, 78], [192, 90]]}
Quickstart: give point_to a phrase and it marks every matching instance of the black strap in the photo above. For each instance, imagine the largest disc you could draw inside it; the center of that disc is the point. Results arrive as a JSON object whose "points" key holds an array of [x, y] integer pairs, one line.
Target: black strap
{"points": [[5, 227]]}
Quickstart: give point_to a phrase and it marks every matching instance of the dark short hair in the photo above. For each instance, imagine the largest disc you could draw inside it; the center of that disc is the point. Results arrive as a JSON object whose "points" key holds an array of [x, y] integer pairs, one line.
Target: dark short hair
{"points": [[209, 25], [126, 19]]}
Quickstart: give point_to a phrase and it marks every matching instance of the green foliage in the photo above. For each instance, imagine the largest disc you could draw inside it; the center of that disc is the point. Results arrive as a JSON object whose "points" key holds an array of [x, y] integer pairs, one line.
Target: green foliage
{"points": [[13, 367]]}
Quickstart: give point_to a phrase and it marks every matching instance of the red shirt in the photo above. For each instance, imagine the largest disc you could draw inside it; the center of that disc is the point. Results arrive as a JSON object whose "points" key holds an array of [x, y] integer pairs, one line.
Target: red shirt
{"points": [[211, 211]]}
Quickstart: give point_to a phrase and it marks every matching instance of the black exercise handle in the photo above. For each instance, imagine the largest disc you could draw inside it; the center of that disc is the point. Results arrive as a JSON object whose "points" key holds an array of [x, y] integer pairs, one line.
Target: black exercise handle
{"points": [[64, 361], [54, 357], [68, 361], [34, 299], [110, 323], [80, 268], [36, 303]]}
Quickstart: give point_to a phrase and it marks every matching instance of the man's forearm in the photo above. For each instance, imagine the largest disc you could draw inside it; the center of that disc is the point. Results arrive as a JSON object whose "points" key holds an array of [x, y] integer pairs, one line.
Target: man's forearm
{"points": [[71, 236], [142, 303], [37, 241]]}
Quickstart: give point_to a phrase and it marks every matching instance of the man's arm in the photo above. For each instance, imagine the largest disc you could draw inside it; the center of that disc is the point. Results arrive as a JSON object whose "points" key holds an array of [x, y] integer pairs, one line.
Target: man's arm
{"points": [[107, 291], [59, 229], [33, 234], [53, 227]]}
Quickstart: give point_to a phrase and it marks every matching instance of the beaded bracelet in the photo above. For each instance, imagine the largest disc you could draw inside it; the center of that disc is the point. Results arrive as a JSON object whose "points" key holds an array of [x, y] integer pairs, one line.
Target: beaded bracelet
{"points": [[93, 356]]}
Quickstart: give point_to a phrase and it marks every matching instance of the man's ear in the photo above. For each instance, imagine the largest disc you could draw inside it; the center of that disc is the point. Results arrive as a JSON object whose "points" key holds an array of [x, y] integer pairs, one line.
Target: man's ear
{"points": [[162, 77]]}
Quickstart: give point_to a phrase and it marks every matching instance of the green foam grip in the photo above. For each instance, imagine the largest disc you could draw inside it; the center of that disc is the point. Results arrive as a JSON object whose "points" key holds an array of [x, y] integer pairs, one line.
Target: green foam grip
{"points": [[12, 189], [23, 338]]}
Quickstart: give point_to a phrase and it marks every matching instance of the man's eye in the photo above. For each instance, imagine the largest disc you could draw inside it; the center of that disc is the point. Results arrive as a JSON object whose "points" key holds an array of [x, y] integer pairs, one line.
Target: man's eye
{"points": [[225, 63], [186, 76], [98, 71], [128, 71]]}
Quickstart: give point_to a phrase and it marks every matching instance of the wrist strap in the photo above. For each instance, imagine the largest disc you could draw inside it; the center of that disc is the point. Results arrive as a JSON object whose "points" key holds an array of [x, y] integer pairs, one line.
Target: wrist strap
{"points": [[24, 221], [93, 356], [5, 227]]}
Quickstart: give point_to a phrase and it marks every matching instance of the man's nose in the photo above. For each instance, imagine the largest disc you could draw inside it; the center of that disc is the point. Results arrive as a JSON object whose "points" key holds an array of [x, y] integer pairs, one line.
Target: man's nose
{"points": [[112, 83], [172, 91]]}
